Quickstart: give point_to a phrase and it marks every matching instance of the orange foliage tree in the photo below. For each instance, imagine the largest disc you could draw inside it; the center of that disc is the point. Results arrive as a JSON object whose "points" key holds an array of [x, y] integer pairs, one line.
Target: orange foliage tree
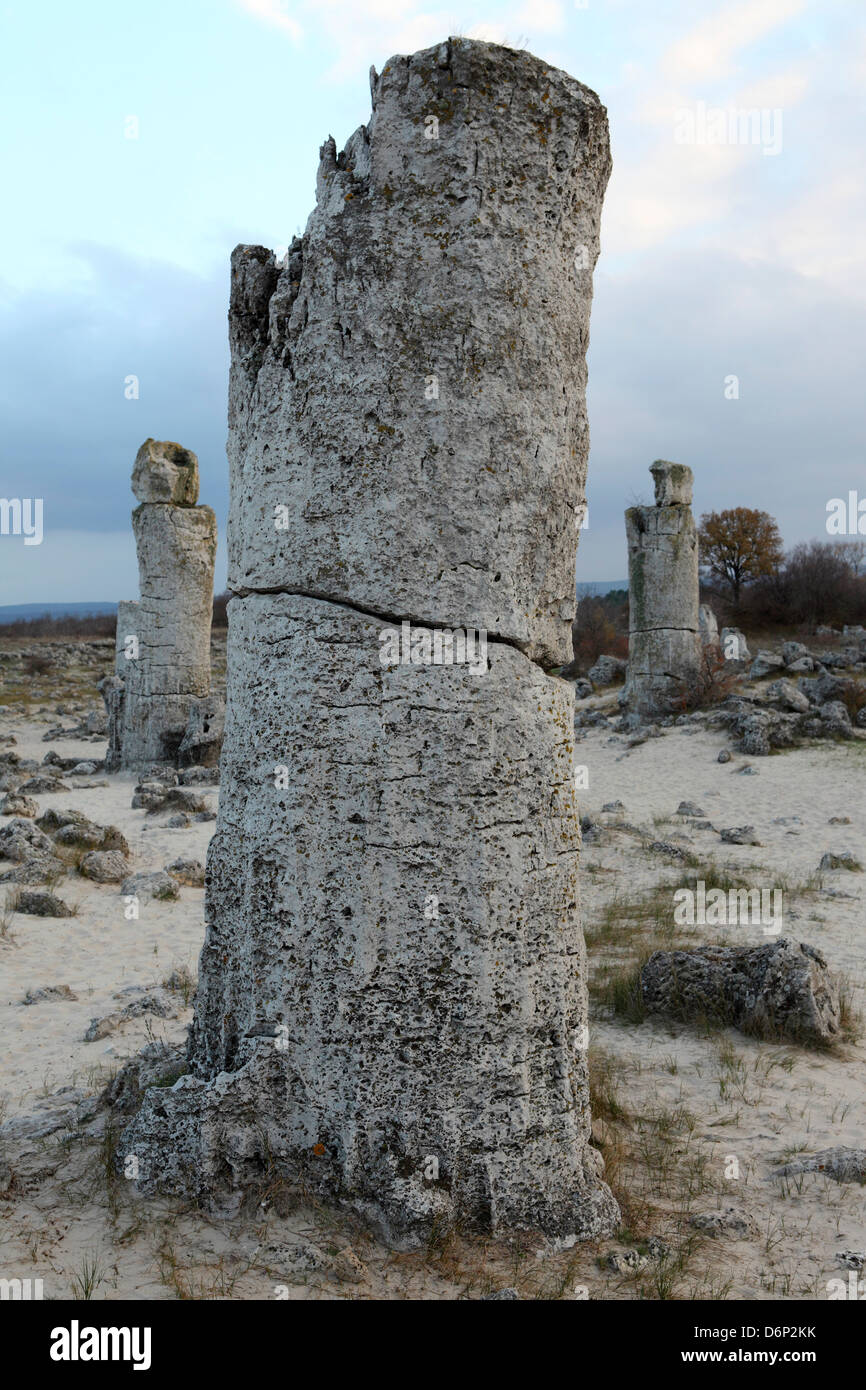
{"points": [[738, 546]]}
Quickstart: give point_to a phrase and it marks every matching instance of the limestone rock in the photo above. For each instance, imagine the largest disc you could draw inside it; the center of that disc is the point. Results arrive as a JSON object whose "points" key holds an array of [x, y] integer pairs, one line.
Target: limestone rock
{"points": [[727, 1221], [407, 421], [203, 735], [156, 884], [841, 1164], [165, 472], [392, 993], [785, 693], [740, 835], [162, 660], [16, 805], [794, 651], [778, 990], [327, 876], [664, 650], [708, 627], [104, 866], [764, 664], [20, 840], [844, 860], [606, 670], [188, 871], [42, 905]]}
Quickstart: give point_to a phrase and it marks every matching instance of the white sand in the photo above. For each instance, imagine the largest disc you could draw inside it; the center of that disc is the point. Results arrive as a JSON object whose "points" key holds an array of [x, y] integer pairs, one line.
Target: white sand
{"points": [[748, 1100]]}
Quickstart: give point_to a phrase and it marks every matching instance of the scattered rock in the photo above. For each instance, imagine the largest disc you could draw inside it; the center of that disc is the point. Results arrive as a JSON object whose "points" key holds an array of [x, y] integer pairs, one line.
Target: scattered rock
{"points": [[724, 756], [778, 990], [626, 1261], [844, 860], [39, 786], [689, 808], [157, 884], [42, 905], [49, 995], [739, 835], [188, 871], [606, 670], [155, 1001], [764, 664], [728, 1222], [104, 866], [16, 805], [786, 694], [794, 651], [158, 1064], [841, 1164]]}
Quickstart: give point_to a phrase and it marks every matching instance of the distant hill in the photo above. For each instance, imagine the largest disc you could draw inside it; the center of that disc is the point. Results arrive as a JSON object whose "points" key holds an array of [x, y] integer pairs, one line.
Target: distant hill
{"points": [[22, 612], [597, 588]]}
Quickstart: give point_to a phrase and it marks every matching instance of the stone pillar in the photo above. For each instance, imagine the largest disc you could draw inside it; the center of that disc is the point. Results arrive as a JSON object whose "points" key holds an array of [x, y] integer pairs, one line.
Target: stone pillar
{"points": [[664, 645], [163, 640], [392, 991]]}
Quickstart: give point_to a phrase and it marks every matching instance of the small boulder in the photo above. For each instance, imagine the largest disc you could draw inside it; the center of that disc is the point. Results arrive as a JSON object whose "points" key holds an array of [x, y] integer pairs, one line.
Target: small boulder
{"points": [[739, 835], [780, 990], [727, 1222], [841, 1164], [786, 694], [105, 866], [50, 994], [42, 905], [764, 664], [157, 884], [845, 860], [607, 669], [794, 651], [188, 871], [16, 805], [21, 840]]}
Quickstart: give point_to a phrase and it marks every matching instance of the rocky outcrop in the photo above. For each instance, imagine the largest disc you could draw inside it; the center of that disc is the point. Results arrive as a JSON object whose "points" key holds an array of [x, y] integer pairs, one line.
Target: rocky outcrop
{"points": [[664, 650], [781, 990], [392, 994], [162, 670]]}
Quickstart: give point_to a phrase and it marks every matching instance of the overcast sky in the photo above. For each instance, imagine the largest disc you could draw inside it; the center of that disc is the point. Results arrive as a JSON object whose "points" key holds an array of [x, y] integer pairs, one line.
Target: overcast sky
{"points": [[718, 260]]}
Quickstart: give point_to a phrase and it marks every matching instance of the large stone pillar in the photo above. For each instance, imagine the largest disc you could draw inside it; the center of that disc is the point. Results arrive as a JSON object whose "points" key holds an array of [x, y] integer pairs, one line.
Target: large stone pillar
{"points": [[392, 992], [664, 645], [162, 664]]}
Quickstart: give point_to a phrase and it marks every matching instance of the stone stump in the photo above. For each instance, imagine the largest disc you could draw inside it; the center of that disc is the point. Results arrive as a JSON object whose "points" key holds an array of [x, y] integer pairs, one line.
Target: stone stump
{"points": [[162, 669], [664, 645], [392, 991]]}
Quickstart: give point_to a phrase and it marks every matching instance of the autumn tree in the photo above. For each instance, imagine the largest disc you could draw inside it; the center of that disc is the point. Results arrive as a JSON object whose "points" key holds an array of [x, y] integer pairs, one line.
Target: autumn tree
{"points": [[738, 546]]}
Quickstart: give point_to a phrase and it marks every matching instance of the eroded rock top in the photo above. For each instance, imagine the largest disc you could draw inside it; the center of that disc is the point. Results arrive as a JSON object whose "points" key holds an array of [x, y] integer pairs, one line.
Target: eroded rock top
{"points": [[407, 405], [165, 472], [673, 483]]}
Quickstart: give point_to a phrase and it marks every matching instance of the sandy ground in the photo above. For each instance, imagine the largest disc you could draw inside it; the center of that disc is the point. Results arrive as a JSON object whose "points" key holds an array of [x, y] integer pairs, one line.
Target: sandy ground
{"points": [[689, 1121]]}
